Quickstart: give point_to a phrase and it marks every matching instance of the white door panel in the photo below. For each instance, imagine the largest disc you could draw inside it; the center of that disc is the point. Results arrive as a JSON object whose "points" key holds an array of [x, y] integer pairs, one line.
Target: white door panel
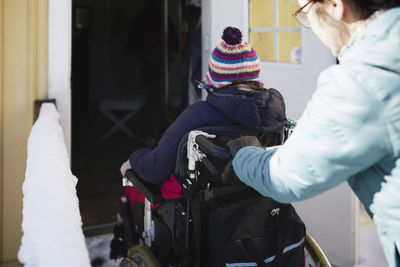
{"points": [[216, 16], [59, 76], [297, 82]]}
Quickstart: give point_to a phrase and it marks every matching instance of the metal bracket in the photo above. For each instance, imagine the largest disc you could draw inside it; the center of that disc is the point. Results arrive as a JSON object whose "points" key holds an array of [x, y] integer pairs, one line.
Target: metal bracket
{"points": [[194, 154], [149, 232], [126, 182]]}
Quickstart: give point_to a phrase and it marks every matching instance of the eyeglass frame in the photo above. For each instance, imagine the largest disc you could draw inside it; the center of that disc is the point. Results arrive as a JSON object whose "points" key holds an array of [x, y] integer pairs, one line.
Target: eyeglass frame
{"points": [[300, 10]]}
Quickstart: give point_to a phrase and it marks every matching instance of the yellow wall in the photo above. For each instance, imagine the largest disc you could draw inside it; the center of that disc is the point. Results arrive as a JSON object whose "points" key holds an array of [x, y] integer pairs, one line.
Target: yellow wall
{"points": [[1, 125], [23, 79]]}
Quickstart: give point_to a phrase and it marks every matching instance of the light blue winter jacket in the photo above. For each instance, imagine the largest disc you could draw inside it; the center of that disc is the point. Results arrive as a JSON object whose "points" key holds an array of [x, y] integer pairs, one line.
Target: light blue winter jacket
{"points": [[349, 131]]}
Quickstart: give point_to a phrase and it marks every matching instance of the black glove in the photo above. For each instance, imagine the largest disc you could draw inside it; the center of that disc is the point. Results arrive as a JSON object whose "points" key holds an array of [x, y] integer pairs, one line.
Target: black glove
{"points": [[236, 144]]}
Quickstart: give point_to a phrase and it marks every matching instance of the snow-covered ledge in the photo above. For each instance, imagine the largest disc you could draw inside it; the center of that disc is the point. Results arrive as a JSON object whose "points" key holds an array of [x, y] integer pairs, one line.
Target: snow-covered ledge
{"points": [[51, 224]]}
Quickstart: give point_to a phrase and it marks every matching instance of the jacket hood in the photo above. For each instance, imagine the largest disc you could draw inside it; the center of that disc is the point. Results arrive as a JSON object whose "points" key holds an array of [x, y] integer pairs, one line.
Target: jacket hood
{"points": [[377, 43], [262, 111]]}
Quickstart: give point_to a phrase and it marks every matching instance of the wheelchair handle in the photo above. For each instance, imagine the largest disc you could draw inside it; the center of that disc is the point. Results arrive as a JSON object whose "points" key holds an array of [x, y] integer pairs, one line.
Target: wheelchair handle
{"points": [[150, 191], [209, 148], [211, 168]]}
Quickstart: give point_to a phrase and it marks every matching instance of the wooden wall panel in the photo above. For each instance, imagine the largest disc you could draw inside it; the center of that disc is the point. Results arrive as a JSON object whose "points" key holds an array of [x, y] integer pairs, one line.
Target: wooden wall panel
{"points": [[15, 120], [1, 126], [24, 79]]}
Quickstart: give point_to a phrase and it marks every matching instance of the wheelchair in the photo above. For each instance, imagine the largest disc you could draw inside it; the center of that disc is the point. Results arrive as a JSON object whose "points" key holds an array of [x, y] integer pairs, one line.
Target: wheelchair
{"points": [[170, 234]]}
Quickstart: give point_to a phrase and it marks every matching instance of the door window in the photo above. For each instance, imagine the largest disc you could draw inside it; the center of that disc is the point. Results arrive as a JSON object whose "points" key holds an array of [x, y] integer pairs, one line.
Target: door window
{"points": [[274, 32]]}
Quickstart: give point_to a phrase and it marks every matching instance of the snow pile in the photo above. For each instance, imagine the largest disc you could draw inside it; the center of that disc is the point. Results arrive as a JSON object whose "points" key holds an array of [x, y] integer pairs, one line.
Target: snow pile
{"points": [[51, 225], [99, 251]]}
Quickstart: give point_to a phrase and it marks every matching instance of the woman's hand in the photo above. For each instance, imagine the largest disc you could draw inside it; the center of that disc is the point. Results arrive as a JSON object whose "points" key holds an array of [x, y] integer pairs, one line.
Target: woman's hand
{"points": [[124, 167], [236, 144]]}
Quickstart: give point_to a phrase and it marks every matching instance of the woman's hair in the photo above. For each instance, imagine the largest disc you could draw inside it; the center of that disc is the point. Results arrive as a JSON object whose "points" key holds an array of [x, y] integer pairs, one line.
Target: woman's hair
{"points": [[236, 83], [366, 8]]}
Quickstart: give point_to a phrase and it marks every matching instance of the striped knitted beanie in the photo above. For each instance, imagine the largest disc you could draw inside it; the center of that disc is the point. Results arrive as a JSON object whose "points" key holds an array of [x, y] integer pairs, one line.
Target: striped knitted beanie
{"points": [[233, 59]]}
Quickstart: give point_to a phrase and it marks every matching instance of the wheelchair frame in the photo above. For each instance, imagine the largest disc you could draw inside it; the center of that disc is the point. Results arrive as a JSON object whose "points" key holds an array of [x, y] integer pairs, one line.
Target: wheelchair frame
{"points": [[197, 143]]}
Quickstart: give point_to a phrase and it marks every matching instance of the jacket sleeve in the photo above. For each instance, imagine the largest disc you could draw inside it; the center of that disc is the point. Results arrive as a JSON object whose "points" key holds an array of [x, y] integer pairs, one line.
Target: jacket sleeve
{"points": [[340, 133], [156, 165]]}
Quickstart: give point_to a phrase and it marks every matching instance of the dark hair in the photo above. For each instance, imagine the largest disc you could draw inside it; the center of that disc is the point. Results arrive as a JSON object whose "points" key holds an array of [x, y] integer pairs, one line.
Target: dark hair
{"points": [[235, 84], [366, 8]]}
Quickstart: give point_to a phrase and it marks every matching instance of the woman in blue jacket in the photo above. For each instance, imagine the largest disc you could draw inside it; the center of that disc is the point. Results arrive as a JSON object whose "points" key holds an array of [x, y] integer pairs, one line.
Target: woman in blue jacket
{"points": [[236, 97], [350, 130]]}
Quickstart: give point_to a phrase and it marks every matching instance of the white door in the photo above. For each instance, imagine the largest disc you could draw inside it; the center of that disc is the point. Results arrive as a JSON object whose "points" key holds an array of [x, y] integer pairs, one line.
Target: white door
{"points": [[59, 53], [329, 217]]}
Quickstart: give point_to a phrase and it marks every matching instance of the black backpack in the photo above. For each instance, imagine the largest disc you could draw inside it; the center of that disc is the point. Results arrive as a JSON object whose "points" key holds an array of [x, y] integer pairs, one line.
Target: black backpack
{"points": [[257, 231]]}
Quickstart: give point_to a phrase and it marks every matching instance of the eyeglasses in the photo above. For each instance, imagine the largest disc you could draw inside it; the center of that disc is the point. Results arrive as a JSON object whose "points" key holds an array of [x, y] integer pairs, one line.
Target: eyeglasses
{"points": [[301, 16]]}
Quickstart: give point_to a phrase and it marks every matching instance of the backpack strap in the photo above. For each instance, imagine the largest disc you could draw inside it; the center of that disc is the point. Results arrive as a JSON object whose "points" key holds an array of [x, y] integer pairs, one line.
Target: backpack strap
{"points": [[225, 194]]}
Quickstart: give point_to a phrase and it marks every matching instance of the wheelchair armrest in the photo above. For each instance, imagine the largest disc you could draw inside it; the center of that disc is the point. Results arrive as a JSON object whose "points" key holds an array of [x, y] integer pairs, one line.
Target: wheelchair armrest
{"points": [[209, 148], [150, 191]]}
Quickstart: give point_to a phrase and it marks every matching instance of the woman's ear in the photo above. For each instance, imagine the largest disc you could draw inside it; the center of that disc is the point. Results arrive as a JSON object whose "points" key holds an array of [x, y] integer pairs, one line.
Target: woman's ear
{"points": [[339, 9]]}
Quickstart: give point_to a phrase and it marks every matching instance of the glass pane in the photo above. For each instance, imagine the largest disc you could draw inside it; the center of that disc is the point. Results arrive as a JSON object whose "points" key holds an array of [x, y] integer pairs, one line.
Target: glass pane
{"points": [[263, 43], [285, 11], [262, 13], [289, 47]]}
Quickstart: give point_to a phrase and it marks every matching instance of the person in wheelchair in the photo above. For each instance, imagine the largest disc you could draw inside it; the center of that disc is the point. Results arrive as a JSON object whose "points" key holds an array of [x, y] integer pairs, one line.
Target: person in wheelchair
{"points": [[236, 98]]}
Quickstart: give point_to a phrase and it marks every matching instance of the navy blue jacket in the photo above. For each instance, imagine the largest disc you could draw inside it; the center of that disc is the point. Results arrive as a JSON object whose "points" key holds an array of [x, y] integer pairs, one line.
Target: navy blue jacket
{"points": [[262, 111]]}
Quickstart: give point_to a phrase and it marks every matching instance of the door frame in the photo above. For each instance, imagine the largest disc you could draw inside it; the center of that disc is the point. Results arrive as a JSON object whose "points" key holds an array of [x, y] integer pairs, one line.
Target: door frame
{"points": [[59, 62]]}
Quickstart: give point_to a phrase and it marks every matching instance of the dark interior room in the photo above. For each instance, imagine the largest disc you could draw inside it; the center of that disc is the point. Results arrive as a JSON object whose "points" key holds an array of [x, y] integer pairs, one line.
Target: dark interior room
{"points": [[134, 64]]}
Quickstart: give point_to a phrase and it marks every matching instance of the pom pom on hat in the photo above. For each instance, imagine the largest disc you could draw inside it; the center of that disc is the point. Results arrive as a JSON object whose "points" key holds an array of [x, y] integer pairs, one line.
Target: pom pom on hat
{"points": [[233, 59], [232, 36]]}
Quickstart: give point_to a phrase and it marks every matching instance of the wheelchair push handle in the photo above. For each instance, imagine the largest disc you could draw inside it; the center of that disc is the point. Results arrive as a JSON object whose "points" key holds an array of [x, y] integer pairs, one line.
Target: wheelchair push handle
{"points": [[211, 168], [209, 148]]}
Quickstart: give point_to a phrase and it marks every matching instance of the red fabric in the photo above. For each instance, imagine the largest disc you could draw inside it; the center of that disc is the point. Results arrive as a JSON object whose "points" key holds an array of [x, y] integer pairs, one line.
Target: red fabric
{"points": [[170, 189]]}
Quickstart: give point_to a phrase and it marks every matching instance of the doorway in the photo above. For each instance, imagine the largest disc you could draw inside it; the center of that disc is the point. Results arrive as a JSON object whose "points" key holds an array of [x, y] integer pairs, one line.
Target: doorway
{"points": [[133, 72]]}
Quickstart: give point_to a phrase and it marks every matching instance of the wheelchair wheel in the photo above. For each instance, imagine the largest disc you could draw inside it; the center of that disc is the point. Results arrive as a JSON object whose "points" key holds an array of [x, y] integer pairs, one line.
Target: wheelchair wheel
{"points": [[314, 256], [139, 256]]}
